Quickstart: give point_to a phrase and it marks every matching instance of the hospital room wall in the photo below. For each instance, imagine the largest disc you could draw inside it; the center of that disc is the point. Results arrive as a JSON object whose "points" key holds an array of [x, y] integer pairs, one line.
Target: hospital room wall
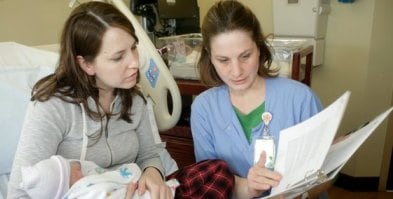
{"points": [[32, 22], [357, 57], [37, 22], [262, 9]]}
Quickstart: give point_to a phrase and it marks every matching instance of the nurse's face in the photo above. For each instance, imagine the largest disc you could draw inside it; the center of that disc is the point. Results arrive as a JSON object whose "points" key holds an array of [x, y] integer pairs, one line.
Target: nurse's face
{"points": [[235, 57], [117, 63]]}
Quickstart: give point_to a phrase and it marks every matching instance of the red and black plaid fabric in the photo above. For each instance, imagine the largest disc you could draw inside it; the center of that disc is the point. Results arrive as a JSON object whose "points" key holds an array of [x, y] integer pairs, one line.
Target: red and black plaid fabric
{"points": [[205, 179]]}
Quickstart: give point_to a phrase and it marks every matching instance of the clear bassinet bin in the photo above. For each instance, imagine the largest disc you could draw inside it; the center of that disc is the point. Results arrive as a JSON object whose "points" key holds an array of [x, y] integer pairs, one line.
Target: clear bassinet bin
{"points": [[289, 56], [183, 52]]}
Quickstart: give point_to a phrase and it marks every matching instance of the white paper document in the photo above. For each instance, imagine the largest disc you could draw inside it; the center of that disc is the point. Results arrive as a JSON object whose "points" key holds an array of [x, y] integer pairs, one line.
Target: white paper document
{"points": [[340, 152], [305, 154]]}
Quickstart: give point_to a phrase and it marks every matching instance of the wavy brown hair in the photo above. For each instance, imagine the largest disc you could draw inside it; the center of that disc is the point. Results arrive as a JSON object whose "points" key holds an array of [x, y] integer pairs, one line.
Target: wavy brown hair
{"points": [[227, 16], [82, 36]]}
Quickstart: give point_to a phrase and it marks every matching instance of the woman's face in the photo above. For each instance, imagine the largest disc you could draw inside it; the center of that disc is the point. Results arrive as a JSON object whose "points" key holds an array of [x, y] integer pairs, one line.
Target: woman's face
{"points": [[235, 57], [117, 63]]}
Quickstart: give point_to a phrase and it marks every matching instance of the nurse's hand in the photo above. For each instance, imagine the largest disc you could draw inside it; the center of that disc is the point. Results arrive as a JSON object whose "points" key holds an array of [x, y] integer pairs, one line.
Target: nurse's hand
{"points": [[260, 178], [151, 180]]}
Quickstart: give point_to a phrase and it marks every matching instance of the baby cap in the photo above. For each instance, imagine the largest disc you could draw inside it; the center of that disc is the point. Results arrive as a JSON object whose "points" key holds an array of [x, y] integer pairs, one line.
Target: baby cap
{"points": [[48, 179]]}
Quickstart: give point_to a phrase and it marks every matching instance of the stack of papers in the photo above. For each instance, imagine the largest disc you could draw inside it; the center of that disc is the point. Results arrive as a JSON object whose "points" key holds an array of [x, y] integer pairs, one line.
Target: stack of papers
{"points": [[306, 156]]}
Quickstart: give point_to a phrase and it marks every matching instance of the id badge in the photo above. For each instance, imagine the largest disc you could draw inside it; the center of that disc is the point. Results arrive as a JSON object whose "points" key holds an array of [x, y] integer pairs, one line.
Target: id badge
{"points": [[265, 143]]}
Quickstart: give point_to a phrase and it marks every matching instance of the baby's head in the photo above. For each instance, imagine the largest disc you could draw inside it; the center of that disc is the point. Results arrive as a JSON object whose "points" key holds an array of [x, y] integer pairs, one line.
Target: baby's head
{"points": [[50, 178]]}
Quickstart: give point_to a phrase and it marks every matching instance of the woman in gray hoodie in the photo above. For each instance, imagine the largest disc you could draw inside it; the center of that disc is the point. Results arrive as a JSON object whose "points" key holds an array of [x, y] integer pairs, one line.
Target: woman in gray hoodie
{"points": [[90, 108]]}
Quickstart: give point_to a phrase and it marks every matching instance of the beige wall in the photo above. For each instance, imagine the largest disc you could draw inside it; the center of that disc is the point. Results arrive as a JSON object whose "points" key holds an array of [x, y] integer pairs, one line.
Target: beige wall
{"points": [[358, 57], [345, 68], [379, 83], [32, 22], [262, 9]]}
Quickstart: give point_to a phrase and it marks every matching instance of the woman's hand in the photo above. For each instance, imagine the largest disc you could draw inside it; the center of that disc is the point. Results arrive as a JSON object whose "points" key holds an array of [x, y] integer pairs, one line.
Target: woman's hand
{"points": [[260, 178], [151, 180], [131, 190]]}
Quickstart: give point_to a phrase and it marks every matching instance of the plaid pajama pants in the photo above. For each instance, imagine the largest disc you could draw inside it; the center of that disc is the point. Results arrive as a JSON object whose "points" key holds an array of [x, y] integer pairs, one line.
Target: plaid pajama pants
{"points": [[203, 180]]}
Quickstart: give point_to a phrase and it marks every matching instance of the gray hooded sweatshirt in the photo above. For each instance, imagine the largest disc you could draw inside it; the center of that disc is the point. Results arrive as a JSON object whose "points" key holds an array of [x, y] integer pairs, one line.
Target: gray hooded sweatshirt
{"points": [[56, 127]]}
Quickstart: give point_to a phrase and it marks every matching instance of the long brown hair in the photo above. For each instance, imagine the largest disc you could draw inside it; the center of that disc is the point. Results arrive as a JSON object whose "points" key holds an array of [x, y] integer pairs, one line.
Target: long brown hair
{"points": [[227, 16], [82, 36]]}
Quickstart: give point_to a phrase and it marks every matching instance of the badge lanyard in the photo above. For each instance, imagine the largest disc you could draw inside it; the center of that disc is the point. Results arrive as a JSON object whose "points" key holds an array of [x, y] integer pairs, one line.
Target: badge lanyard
{"points": [[265, 143]]}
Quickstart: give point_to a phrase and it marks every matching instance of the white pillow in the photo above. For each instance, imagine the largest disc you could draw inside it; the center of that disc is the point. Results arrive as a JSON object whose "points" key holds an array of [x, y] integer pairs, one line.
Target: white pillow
{"points": [[20, 67]]}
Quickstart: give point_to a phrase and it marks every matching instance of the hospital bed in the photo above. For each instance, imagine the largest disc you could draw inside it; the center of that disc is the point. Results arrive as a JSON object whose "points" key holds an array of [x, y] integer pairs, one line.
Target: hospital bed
{"points": [[21, 66]]}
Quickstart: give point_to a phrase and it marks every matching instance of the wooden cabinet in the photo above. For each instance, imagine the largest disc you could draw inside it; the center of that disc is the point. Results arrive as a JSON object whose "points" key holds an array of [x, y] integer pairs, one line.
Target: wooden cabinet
{"points": [[179, 145], [297, 65]]}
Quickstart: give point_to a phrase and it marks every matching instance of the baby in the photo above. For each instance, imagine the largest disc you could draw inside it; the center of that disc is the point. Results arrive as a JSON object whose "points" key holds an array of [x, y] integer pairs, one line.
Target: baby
{"points": [[57, 178]]}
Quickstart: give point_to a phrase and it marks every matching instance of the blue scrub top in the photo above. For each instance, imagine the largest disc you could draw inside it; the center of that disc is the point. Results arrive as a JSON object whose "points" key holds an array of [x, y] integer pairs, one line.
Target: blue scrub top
{"points": [[217, 132]]}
